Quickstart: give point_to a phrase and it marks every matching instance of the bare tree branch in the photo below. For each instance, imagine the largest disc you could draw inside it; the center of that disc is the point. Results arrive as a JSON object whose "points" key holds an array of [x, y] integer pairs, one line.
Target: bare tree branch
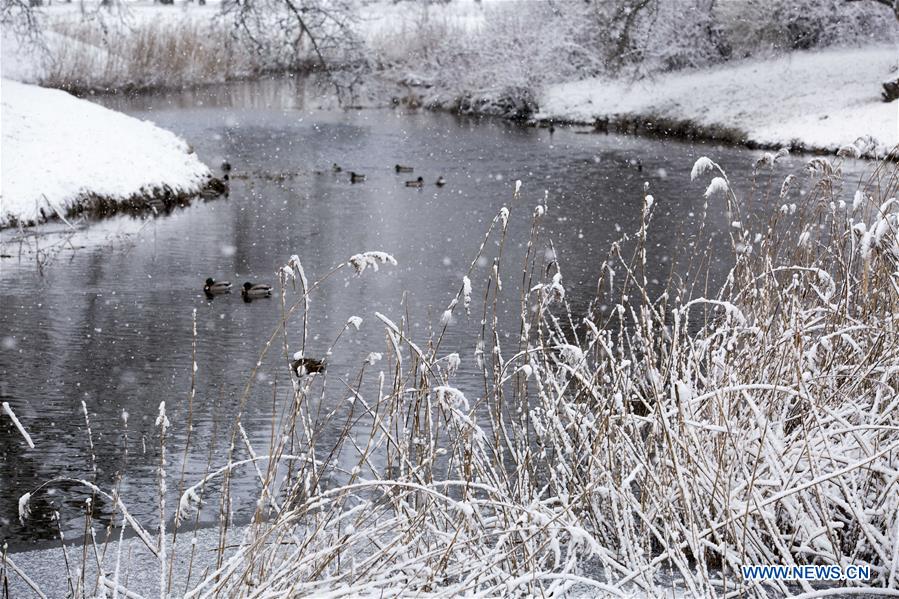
{"points": [[317, 35]]}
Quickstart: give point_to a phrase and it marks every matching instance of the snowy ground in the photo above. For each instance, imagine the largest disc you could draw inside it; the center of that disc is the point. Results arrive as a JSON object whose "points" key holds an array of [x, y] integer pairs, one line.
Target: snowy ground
{"points": [[822, 100], [59, 151]]}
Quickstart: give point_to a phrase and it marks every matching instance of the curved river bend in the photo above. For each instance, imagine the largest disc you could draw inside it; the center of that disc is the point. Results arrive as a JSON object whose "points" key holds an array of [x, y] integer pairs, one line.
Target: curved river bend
{"points": [[104, 316]]}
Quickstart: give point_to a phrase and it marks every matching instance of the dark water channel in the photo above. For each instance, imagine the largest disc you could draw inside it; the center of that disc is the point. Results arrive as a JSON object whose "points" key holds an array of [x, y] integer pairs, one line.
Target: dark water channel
{"points": [[104, 316]]}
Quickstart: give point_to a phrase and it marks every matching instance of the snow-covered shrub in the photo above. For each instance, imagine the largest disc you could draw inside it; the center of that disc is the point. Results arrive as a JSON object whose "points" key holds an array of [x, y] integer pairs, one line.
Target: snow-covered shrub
{"points": [[496, 67], [650, 36], [756, 27]]}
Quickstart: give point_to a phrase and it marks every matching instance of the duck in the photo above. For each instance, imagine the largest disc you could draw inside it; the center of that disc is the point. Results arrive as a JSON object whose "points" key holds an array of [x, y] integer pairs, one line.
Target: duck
{"points": [[226, 170], [356, 177], [213, 287], [215, 187], [302, 366], [251, 291], [440, 181], [336, 168], [403, 169], [417, 183]]}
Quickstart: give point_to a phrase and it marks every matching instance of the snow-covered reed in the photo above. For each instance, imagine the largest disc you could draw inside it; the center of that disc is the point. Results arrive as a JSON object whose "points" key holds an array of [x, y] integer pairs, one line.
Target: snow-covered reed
{"points": [[18, 425], [674, 437]]}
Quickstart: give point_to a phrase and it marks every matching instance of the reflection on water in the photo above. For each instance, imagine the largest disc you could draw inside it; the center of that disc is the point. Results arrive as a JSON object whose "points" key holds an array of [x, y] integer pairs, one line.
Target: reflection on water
{"points": [[105, 318]]}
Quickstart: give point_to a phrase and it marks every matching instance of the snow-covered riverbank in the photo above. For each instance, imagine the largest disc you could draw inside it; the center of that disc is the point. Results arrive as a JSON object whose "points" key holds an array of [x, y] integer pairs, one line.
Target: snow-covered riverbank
{"points": [[818, 101], [61, 154]]}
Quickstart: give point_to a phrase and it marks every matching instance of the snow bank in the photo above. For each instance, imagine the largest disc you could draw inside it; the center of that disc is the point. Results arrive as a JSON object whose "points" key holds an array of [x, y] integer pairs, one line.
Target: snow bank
{"points": [[819, 100], [60, 152]]}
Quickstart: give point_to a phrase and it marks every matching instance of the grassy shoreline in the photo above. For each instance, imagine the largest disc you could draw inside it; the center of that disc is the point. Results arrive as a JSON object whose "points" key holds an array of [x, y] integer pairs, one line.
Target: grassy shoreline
{"points": [[160, 199]]}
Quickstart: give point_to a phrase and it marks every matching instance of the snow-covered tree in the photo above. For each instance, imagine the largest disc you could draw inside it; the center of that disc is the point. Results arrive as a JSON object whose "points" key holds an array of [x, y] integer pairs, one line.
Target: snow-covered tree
{"points": [[320, 30], [19, 16]]}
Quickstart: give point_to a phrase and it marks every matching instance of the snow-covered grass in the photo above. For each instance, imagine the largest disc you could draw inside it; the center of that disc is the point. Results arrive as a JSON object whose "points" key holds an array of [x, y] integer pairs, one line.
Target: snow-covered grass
{"points": [[665, 441], [62, 154], [820, 100]]}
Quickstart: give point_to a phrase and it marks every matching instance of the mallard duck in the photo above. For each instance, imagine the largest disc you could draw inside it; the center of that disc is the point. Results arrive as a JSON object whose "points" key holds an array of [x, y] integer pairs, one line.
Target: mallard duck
{"points": [[251, 291], [302, 366], [403, 169], [356, 177], [417, 183], [226, 169], [440, 181], [336, 168], [213, 287]]}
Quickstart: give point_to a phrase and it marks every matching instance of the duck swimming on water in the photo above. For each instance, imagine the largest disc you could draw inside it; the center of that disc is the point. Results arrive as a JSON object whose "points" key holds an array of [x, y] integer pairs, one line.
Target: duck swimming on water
{"points": [[302, 366], [249, 291], [356, 177], [213, 287], [440, 181], [403, 169], [417, 183]]}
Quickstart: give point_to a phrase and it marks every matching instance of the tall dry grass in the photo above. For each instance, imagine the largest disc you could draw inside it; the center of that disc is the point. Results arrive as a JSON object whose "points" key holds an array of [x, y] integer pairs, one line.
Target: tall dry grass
{"points": [[144, 54], [681, 436]]}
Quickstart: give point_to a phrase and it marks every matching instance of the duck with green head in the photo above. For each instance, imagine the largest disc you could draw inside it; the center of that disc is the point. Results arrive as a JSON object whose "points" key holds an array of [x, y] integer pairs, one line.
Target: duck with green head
{"points": [[417, 183]]}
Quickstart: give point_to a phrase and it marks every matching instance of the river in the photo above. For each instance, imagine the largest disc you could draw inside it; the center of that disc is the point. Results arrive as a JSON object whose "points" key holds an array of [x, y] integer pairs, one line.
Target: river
{"points": [[103, 314]]}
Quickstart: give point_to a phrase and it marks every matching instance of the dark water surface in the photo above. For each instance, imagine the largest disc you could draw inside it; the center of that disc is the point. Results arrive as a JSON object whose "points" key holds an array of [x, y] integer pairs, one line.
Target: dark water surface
{"points": [[104, 316]]}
